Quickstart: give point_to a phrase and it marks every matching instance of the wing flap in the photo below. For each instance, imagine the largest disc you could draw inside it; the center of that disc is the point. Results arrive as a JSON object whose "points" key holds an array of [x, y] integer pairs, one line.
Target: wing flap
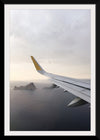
{"points": [[77, 91]]}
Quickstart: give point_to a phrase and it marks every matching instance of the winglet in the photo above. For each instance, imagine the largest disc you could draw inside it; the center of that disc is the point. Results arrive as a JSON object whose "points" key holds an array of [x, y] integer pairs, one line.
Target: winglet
{"points": [[37, 66]]}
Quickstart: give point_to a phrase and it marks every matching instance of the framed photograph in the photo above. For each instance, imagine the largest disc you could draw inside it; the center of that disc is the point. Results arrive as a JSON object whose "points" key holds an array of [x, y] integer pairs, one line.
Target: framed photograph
{"points": [[50, 69]]}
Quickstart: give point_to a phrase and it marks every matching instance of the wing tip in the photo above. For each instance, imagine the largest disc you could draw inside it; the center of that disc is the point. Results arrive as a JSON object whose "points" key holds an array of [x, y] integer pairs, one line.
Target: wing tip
{"points": [[38, 68]]}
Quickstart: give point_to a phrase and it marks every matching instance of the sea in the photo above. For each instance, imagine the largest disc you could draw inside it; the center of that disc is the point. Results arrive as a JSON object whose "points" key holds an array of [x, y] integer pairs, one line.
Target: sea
{"points": [[45, 109]]}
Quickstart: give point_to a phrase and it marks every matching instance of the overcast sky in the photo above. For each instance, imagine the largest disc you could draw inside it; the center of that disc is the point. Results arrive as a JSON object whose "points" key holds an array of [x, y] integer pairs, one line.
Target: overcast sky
{"points": [[58, 39]]}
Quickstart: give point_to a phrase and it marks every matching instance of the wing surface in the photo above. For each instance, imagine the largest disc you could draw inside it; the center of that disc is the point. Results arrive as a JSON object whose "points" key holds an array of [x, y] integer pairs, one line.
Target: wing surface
{"points": [[77, 87]]}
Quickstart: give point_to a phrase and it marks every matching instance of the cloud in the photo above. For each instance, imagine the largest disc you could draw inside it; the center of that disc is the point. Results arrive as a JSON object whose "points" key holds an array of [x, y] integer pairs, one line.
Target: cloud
{"points": [[52, 36]]}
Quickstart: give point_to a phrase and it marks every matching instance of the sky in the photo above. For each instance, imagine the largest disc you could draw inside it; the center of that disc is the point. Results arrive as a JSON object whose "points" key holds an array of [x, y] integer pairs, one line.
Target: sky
{"points": [[59, 39]]}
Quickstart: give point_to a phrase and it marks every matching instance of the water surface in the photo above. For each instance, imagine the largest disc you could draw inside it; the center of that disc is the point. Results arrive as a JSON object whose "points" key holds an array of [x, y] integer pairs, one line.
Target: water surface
{"points": [[45, 109]]}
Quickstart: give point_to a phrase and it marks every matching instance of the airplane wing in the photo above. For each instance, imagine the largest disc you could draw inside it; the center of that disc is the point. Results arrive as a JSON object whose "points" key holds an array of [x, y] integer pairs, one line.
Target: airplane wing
{"points": [[79, 88]]}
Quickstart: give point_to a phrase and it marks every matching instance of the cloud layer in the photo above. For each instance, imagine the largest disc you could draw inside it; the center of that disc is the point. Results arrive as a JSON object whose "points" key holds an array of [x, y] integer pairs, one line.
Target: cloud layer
{"points": [[55, 37]]}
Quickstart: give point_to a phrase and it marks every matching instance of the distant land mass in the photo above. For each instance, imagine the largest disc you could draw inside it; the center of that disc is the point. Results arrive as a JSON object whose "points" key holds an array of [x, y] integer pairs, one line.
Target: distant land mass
{"points": [[52, 86], [30, 86]]}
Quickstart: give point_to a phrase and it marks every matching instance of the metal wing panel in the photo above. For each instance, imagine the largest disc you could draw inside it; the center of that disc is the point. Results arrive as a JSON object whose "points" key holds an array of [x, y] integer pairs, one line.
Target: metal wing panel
{"points": [[70, 80], [77, 91]]}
